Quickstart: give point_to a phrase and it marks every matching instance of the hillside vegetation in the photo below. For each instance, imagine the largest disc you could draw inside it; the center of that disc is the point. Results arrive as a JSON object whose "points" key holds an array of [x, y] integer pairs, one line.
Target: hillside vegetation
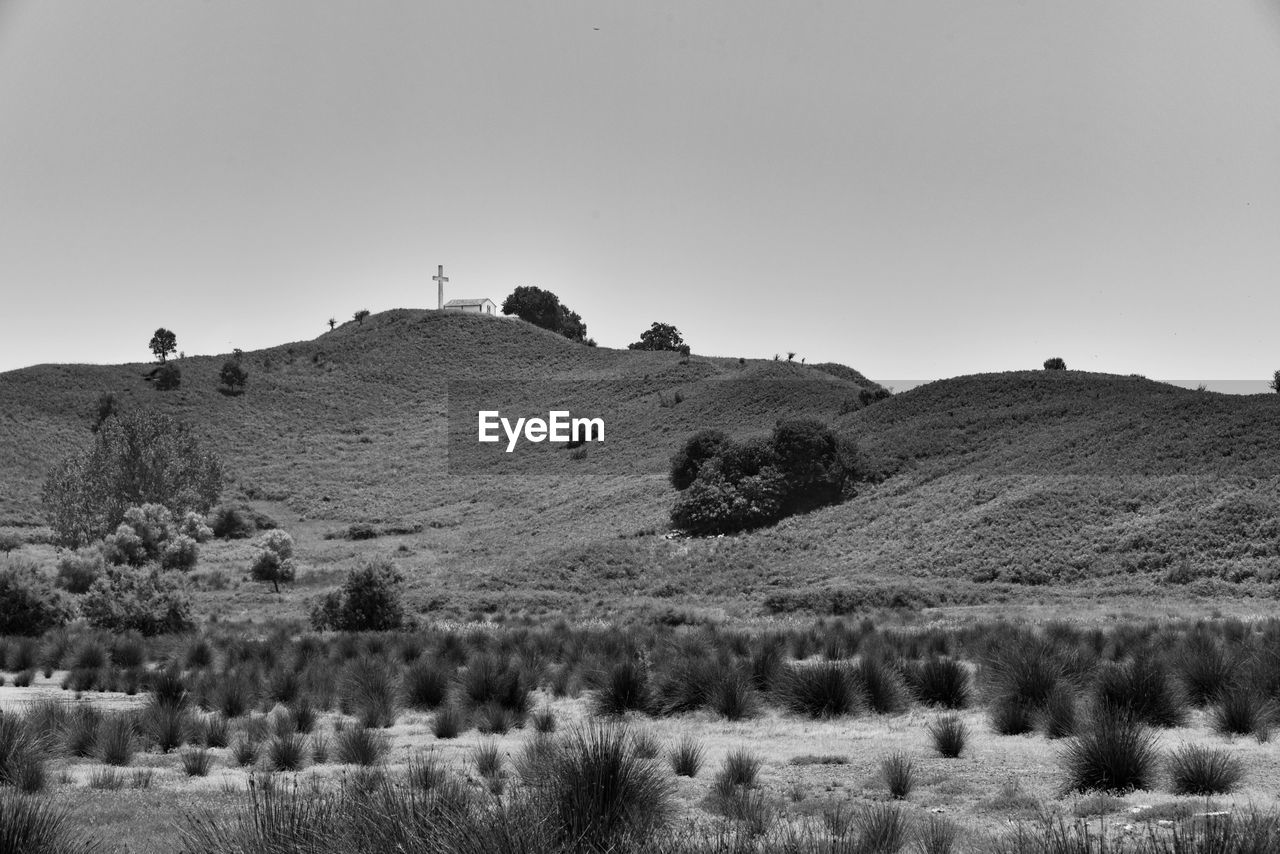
{"points": [[1056, 484]]}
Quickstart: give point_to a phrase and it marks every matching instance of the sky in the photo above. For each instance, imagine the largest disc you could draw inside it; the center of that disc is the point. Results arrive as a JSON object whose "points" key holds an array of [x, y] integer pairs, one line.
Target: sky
{"points": [[915, 188]]}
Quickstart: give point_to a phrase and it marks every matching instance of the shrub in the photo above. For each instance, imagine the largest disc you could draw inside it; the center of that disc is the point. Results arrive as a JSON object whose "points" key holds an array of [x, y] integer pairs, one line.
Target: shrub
{"points": [[1141, 689], [77, 570], [1113, 754], [361, 746], [179, 553], [881, 828], [488, 758], [144, 601], [231, 522], [369, 601], [899, 775], [1196, 770], [167, 377], [166, 726], [136, 458], [493, 718], [687, 756], [598, 794], [949, 734], [820, 690], [274, 561], [544, 721], [696, 450], [734, 697], [193, 526], [1055, 364], [9, 542], [21, 747], [29, 603], [244, 752], [1027, 672]]}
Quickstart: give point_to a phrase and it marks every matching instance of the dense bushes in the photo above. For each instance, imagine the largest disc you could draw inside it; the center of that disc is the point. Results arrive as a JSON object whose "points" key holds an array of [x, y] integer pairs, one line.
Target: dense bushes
{"points": [[369, 601], [148, 534], [29, 603], [146, 601], [137, 458], [728, 486]]}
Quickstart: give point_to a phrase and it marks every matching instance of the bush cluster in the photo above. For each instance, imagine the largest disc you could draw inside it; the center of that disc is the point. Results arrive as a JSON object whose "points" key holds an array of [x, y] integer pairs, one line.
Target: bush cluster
{"points": [[728, 486], [368, 601]]}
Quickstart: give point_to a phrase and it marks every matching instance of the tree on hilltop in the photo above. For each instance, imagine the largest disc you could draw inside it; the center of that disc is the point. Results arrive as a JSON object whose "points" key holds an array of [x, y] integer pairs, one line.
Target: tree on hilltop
{"points": [[163, 343], [544, 309], [1275, 382], [659, 336], [360, 315], [1055, 364]]}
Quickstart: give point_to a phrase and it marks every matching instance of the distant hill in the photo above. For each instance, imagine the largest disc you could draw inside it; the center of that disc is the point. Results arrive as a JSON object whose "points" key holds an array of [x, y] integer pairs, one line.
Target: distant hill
{"points": [[1009, 486]]}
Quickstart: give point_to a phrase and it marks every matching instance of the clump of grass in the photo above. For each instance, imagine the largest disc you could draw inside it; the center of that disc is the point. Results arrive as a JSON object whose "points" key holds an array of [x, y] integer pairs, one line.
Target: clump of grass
{"points": [[740, 768], [1141, 689], [22, 754], [646, 744], [1240, 711], [39, 825], [733, 696], [598, 795], [1113, 754], [882, 685], [818, 759], [449, 722], [949, 734], [936, 836], [141, 778], [217, 731], [821, 690], [880, 827], [425, 772], [237, 694], [106, 778], [1011, 716], [116, 740], [426, 684], [372, 691], [166, 726], [622, 687], [80, 733], [543, 720], [1197, 770], [940, 682], [488, 759], [1205, 669], [196, 761], [494, 718], [361, 746], [687, 756], [320, 749], [24, 679], [899, 775], [286, 752], [244, 752], [1059, 717]]}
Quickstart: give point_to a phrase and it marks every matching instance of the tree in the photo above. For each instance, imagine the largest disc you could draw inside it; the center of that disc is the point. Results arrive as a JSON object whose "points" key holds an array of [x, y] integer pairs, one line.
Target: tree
{"points": [[233, 376], [360, 315], [1275, 382], [29, 604], [274, 561], [332, 323], [543, 309], [107, 406], [163, 343], [659, 336], [697, 449], [137, 458], [1055, 364]]}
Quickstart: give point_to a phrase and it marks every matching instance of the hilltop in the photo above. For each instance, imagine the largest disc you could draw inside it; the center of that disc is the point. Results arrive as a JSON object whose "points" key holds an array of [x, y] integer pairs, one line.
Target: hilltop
{"points": [[1009, 487]]}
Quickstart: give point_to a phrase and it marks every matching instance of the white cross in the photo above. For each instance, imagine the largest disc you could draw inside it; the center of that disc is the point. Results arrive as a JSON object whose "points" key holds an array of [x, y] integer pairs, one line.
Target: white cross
{"points": [[441, 278]]}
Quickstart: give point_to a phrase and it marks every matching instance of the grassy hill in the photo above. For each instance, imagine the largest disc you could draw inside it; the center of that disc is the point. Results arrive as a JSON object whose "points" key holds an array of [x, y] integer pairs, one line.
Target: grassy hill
{"points": [[1023, 486]]}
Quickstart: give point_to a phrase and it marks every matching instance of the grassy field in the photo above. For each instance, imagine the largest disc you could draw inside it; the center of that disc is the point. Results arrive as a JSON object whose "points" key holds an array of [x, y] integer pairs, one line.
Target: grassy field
{"points": [[1036, 488], [746, 699]]}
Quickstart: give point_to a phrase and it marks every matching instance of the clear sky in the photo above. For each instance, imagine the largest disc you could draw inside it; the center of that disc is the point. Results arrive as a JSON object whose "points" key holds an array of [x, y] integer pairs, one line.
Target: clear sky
{"points": [[916, 188]]}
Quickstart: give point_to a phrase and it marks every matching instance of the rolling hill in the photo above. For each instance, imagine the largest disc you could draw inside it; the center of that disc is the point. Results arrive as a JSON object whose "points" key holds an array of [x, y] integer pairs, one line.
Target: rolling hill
{"points": [[1037, 486]]}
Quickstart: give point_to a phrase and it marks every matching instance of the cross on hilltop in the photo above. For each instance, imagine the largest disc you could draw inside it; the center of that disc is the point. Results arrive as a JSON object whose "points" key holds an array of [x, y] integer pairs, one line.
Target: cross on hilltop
{"points": [[440, 279]]}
